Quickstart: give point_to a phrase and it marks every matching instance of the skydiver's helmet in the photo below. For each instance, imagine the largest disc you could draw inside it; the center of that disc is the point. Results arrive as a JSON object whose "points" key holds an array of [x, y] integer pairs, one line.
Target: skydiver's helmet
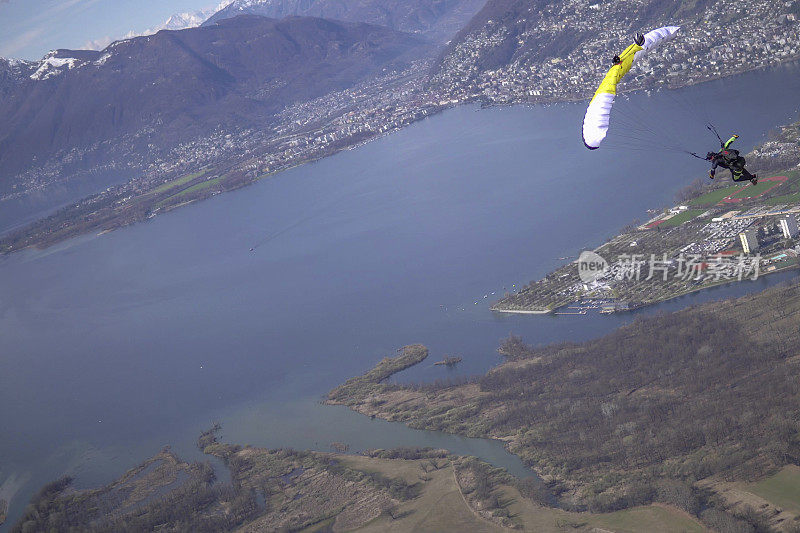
{"points": [[639, 39], [710, 155], [616, 60]]}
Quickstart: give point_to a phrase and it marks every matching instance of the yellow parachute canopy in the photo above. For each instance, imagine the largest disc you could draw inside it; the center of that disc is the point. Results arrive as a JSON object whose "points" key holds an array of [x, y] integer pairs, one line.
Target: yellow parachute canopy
{"points": [[596, 120]]}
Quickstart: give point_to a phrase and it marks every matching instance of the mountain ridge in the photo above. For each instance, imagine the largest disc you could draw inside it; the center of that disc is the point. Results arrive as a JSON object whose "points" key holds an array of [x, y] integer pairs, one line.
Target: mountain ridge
{"points": [[176, 85], [437, 20]]}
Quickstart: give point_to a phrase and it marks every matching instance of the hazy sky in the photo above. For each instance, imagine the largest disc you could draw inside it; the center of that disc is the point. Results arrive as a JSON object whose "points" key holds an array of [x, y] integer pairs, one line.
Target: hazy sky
{"points": [[30, 28]]}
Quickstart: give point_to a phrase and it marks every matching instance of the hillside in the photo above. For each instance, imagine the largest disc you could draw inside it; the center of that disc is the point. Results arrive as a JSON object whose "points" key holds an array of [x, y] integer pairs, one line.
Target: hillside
{"points": [[160, 90], [709, 393], [13, 73], [531, 31], [515, 50], [437, 20]]}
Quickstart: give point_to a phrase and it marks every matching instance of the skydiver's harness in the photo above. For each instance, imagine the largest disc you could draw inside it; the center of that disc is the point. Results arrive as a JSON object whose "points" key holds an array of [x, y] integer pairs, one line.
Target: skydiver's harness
{"points": [[730, 158]]}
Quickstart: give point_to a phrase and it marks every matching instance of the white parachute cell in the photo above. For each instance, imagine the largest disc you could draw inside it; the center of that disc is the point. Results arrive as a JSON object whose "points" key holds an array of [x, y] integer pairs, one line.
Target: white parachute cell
{"points": [[598, 113]]}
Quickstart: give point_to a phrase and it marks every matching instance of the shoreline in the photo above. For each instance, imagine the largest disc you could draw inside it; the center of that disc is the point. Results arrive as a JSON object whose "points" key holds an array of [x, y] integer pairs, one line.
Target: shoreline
{"points": [[644, 305], [122, 216], [522, 311]]}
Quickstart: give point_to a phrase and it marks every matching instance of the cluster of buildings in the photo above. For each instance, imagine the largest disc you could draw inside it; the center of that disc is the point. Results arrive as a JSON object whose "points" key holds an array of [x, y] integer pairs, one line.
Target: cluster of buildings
{"points": [[746, 34], [312, 129], [654, 262], [749, 238], [305, 131]]}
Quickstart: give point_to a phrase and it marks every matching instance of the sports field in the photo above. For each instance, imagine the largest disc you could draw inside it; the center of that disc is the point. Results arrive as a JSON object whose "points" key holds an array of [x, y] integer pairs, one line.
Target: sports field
{"points": [[193, 189], [680, 218], [754, 191], [179, 181], [790, 192], [714, 197]]}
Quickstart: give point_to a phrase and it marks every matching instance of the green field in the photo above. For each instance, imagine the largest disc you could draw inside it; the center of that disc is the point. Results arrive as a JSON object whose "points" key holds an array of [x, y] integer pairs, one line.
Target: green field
{"points": [[782, 489], [793, 198], [755, 190], [193, 189], [791, 190], [650, 518], [714, 196], [179, 181], [680, 218]]}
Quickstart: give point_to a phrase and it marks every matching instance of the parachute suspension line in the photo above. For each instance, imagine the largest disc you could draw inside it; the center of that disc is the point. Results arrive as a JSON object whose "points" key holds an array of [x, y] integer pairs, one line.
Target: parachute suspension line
{"points": [[713, 130], [695, 112], [661, 131], [637, 126], [630, 130]]}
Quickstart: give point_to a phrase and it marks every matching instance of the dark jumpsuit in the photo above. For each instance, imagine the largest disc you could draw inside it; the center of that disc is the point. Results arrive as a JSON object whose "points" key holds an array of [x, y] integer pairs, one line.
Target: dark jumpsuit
{"points": [[730, 159]]}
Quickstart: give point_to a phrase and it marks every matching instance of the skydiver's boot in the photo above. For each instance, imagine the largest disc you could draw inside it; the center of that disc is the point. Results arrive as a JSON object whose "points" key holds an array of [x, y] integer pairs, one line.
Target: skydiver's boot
{"points": [[639, 39], [754, 179]]}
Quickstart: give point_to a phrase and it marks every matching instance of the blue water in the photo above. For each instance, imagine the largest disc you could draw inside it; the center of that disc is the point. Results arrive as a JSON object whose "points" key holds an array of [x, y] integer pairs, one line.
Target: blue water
{"points": [[114, 346]]}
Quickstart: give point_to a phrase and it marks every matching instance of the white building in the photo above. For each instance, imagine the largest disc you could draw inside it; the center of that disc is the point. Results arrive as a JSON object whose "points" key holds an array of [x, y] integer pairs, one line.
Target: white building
{"points": [[789, 227], [749, 241]]}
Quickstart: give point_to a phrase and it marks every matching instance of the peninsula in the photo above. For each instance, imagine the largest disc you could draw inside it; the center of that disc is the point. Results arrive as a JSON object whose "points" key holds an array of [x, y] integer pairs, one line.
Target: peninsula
{"points": [[674, 409], [721, 233]]}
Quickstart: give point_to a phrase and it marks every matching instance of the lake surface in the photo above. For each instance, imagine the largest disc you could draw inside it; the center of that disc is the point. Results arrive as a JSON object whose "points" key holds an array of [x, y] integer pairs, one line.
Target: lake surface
{"points": [[117, 345]]}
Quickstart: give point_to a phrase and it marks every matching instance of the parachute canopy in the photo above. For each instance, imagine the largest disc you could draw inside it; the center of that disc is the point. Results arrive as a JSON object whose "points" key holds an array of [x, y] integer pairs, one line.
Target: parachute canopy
{"points": [[595, 122]]}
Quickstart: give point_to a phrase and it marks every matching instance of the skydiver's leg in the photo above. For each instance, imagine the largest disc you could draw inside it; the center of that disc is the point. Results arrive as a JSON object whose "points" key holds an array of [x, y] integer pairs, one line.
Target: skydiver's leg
{"points": [[742, 174], [752, 177], [738, 172]]}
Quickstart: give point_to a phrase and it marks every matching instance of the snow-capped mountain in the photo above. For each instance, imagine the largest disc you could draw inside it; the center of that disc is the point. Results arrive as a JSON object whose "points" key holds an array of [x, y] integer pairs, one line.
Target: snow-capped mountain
{"points": [[180, 85], [188, 19], [59, 61], [13, 72], [180, 21]]}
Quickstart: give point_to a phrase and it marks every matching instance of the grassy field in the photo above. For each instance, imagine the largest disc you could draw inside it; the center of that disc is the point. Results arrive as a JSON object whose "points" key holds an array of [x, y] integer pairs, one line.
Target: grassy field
{"points": [[715, 196], [790, 190], [782, 489], [647, 518], [179, 181], [752, 191], [650, 518], [193, 189], [777, 497], [680, 218], [792, 198], [408, 471], [442, 508]]}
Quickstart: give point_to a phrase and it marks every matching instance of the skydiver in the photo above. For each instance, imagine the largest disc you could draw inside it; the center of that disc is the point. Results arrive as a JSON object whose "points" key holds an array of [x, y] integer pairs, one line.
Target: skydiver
{"points": [[730, 159]]}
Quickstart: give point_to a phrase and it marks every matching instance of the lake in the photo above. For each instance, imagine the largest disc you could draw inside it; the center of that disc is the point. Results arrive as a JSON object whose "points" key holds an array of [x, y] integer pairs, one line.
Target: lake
{"points": [[114, 346]]}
